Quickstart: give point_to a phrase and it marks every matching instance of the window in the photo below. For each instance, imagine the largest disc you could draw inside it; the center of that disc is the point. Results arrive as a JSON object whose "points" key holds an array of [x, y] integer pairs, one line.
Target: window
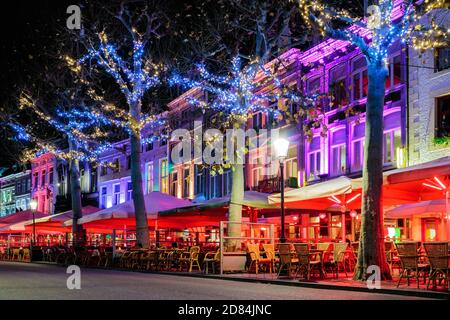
{"points": [[116, 165], [291, 170], [50, 176], [226, 182], [186, 182], [116, 194], [391, 141], [313, 160], [199, 180], [103, 199], [257, 176], [164, 174], [35, 180], [395, 72], [149, 145], [93, 181], [338, 89], [43, 178], [215, 185], [443, 116], [129, 191], [150, 179], [338, 152], [442, 58], [359, 78], [82, 179], [103, 170], [163, 140], [313, 85], [358, 147], [19, 187], [257, 121], [174, 188]]}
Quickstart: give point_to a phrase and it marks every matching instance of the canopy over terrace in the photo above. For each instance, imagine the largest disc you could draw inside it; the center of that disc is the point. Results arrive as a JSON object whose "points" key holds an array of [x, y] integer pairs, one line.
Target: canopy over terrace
{"points": [[322, 196], [122, 216], [15, 223], [55, 222], [400, 186], [211, 212]]}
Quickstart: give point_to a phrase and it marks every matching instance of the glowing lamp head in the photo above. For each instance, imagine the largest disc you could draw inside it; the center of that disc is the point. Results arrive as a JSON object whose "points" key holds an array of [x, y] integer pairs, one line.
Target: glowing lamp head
{"points": [[33, 204], [281, 148], [322, 215], [353, 213]]}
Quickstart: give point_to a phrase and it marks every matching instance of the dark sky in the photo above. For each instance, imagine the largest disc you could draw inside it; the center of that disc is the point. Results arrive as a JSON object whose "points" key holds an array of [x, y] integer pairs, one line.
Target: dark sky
{"points": [[27, 29]]}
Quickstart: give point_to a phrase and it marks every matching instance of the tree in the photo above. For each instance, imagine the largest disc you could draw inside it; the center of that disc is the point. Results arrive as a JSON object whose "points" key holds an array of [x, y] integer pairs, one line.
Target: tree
{"points": [[84, 137], [134, 74], [237, 93], [385, 29]]}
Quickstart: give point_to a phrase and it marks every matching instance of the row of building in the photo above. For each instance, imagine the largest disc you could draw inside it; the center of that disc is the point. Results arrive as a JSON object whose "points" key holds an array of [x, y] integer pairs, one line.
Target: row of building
{"points": [[416, 130]]}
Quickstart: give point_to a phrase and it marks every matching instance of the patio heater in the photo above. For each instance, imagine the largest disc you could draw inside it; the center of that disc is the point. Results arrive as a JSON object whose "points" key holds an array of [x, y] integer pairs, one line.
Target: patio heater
{"points": [[281, 151], [33, 206]]}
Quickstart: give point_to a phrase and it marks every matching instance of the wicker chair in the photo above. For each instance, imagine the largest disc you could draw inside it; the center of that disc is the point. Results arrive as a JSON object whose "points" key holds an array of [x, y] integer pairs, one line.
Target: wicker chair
{"points": [[26, 254], [190, 259], [15, 255], [286, 261], [338, 259], [269, 250], [307, 261], [211, 258], [409, 259], [256, 260], [437, 253]]}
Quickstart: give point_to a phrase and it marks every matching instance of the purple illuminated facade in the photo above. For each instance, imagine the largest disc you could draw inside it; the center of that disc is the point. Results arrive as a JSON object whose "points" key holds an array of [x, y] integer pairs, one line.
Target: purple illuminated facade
{"points": [[338, 69]]}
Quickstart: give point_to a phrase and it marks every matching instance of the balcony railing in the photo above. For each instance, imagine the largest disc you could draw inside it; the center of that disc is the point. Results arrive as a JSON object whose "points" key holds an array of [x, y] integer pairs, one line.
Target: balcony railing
{"points": [[273, 185]]}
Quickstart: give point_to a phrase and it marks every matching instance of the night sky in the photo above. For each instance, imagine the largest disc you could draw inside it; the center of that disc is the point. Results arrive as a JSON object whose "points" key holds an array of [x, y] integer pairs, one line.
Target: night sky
{"points": [[28, 28]]}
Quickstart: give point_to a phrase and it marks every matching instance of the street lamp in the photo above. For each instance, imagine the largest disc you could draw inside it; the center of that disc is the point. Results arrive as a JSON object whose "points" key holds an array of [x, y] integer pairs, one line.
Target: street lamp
{"points": [[33, 206], [281, 151]]}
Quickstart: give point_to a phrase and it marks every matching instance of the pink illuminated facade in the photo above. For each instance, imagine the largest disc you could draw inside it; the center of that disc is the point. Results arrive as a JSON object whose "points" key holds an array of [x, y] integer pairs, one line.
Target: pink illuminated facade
{"points": [[43, 182]]}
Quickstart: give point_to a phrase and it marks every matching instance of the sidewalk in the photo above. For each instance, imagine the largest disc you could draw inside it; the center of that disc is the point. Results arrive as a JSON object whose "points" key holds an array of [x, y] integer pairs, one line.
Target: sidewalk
{"points": [[345, 284], [342, 283]]}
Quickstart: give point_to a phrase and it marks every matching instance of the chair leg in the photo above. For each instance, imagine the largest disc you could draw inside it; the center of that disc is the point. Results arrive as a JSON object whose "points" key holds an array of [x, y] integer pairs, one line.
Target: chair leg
{"points": [[400, 279]]}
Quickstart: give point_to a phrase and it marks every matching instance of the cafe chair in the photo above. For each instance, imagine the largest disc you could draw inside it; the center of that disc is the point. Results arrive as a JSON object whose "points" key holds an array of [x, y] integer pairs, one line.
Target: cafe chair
{"points": [[269, 250], [409, 262], [26, 254], [287, 263], [190, 259], [337, 261], [437, 253], [211, 258], [306, 261]]}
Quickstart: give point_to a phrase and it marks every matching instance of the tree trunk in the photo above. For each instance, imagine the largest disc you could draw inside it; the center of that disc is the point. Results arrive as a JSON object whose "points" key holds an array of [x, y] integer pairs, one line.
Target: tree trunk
{"points": [[235, 209], [142, 237], [75, 192], [371, 243]]}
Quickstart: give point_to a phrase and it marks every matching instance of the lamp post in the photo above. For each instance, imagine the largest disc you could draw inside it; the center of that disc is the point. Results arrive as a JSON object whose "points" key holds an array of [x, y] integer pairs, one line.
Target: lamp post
{"points": [[281, 149], [33, 206]]}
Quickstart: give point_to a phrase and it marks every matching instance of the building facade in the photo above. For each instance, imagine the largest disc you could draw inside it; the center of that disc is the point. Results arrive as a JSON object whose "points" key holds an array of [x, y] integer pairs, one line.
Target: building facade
{"points": [[15, 188], [429, 105], [114, 170]]}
